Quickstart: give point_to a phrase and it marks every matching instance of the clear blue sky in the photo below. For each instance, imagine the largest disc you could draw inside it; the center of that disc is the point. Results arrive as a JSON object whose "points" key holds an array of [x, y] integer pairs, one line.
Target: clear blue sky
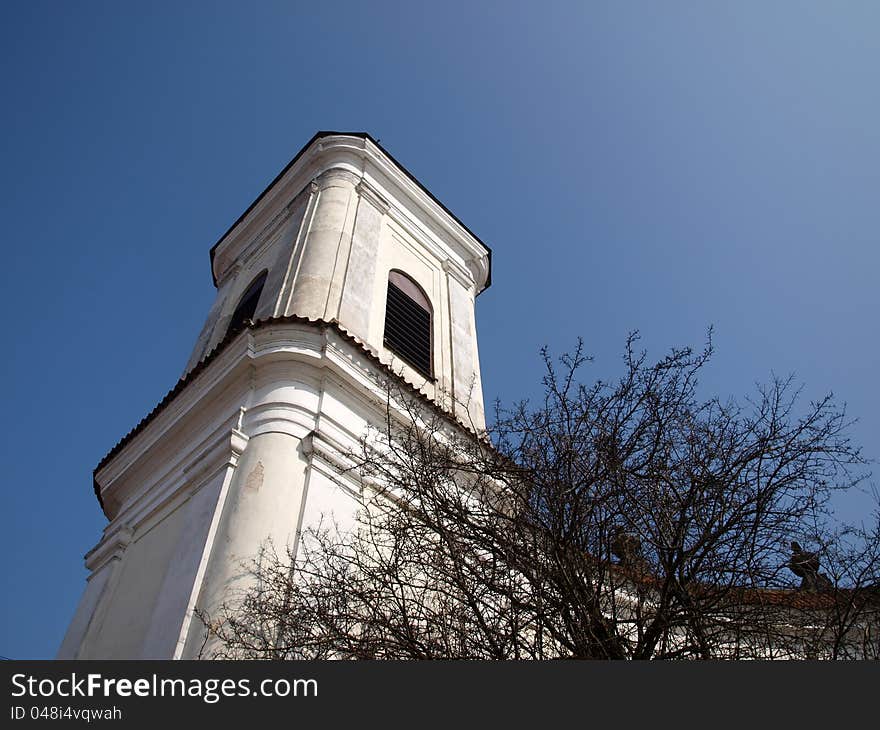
{"points": [[638, 165]]}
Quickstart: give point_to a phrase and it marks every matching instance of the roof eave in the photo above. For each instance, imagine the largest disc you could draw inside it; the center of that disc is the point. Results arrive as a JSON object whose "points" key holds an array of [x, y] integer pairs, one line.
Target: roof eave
{"points": [[368, 137]]}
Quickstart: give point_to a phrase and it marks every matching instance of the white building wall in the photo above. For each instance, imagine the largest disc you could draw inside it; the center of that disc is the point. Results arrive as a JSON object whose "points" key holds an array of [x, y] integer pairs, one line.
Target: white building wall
{"points": [[75, 645], [253, 446], [328, 233], [175, 595], [121, 632]]}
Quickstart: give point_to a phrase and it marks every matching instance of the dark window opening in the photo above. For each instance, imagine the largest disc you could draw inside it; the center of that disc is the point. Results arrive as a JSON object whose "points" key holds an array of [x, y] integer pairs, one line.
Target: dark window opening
{"points": [[408, 322], [247, 305]]}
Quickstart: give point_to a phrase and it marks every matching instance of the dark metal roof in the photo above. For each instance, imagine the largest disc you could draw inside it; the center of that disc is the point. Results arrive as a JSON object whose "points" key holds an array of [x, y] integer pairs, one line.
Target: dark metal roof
{"points": [[361, 135], [208, 359]]}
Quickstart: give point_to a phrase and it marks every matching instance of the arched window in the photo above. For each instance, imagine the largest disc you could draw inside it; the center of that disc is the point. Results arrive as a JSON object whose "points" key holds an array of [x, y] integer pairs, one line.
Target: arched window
{"points": [[408, 322], [247, 305]]}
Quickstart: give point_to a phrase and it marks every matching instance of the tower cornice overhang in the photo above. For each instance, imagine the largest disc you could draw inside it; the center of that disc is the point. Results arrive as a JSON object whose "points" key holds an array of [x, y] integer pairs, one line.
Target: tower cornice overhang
{"points": [[380, 175], [314, 345]]}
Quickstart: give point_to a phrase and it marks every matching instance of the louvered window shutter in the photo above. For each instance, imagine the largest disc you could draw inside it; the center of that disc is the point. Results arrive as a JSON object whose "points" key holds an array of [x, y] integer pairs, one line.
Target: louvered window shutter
{"points": [[408, 324]]}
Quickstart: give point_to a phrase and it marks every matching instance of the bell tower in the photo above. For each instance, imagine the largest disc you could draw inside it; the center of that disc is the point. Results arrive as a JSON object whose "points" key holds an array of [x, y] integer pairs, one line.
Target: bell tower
{"points": [[343, 273]]}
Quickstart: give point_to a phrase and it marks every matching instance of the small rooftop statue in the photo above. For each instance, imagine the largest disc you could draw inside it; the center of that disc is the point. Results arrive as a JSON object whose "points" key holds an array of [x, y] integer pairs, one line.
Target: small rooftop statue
{"points": [[806, 566], [627, 548]]}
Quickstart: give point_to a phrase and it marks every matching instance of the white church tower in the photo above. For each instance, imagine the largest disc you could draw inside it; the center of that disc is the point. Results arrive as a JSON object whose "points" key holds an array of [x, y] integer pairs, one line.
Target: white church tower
{"points": [[344, 272]]}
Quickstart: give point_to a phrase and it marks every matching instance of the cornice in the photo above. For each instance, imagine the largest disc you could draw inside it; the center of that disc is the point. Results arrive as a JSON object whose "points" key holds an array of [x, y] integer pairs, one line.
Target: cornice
{"points": [[369, 193], [314, 343], [338, 176], [462, 275], [190, 468], [364, 159], [111, 547], [387, 172]]}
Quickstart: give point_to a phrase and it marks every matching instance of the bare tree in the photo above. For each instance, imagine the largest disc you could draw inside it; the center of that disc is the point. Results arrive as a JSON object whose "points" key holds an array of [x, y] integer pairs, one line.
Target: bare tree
{"points": [[624, 520]]}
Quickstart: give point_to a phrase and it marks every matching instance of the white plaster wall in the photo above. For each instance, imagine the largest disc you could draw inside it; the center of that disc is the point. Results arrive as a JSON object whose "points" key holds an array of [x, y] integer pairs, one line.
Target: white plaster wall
{"points": [[325, 247], [181, 440], [467, 388], [273, 252], [250, 449], [263, 503], [121, 632], [332, 502], [254, 448], [74, 640], [354, 288], [176, 591], [330, 248]]}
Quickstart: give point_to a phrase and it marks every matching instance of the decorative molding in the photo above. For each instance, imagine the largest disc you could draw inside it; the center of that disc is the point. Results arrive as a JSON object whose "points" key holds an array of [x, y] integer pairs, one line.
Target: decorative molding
{"points": [[342, 471], [412, 192], [229, 363], [479, 268], [188, 474], [111, 547], [291, 271], [370, 194], [224, 451], [462, 275], [355, 159], [298, 354], [230, 273], [330, 177]]}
